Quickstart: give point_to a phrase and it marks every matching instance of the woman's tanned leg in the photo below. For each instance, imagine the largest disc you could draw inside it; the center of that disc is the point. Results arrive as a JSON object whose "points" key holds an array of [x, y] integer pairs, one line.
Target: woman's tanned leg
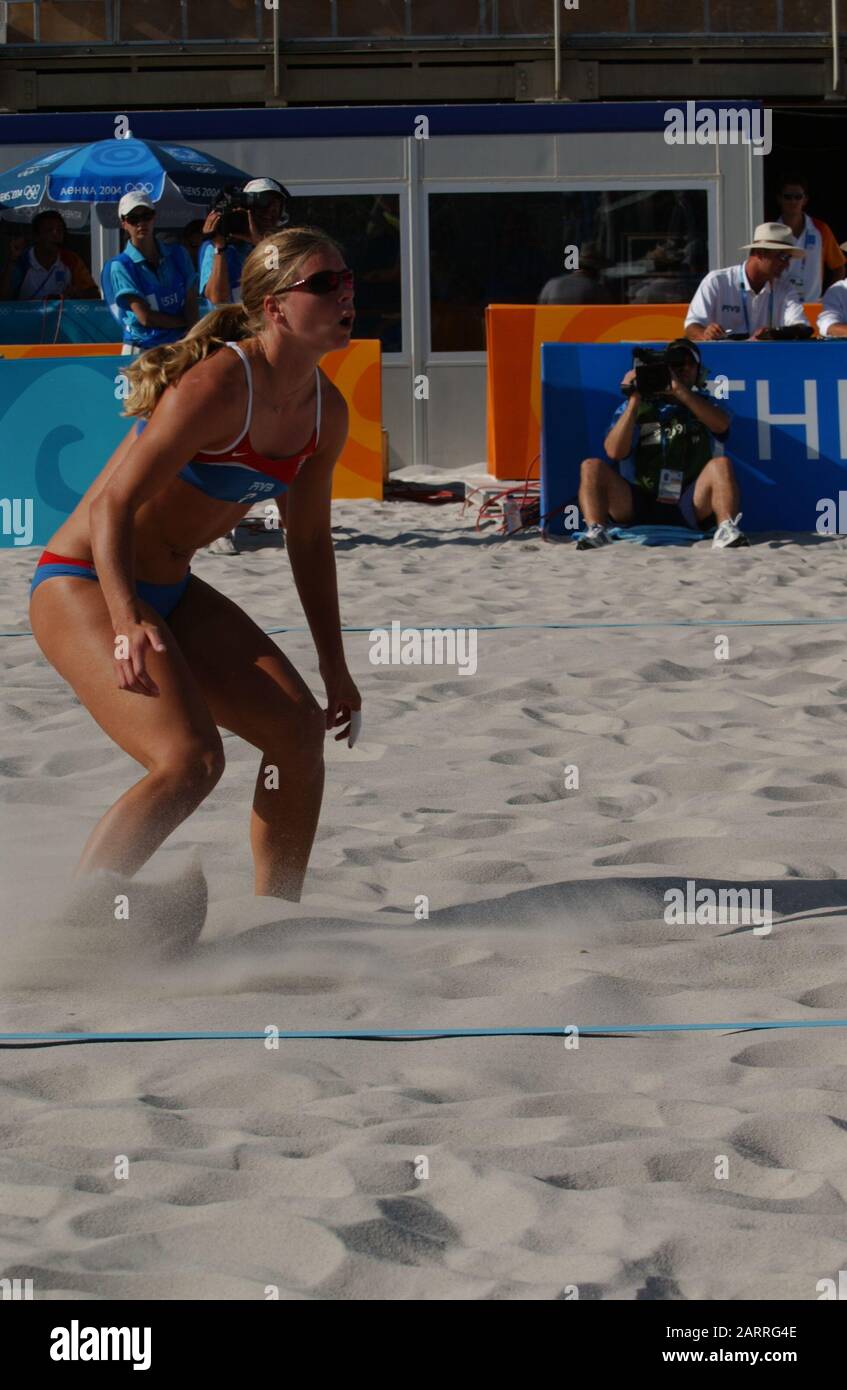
{"points": [[254, 691], [173, 735]]}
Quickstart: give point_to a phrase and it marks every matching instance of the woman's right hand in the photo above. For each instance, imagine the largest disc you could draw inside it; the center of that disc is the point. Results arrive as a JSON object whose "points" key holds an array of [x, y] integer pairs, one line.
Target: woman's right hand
{"points": [[131, 655]]}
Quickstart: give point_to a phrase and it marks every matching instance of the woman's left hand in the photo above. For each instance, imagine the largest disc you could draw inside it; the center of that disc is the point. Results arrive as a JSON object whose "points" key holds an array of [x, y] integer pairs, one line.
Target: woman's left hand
{"points": [[342, 698]]}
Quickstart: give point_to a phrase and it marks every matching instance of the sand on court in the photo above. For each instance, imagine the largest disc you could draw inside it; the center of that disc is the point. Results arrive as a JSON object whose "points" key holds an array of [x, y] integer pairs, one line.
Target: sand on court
{"points": [[549, 1167]]}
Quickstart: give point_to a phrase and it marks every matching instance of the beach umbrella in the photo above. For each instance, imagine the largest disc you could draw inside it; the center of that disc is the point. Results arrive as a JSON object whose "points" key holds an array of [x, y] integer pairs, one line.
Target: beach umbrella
{"points": [[181, 181]]}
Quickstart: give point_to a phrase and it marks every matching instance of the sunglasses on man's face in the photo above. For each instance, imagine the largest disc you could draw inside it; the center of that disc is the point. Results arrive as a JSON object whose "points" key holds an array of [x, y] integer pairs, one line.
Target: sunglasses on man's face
{"points": [[323, 282], [792, 197], [135, 219]]}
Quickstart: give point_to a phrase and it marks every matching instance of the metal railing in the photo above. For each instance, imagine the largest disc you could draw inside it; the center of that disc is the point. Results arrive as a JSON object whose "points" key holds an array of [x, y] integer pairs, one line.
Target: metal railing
{"points": [[86, 23]]}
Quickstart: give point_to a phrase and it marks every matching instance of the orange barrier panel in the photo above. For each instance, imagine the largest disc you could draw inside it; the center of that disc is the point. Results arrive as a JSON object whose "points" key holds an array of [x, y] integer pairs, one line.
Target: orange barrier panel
{"points": [[60, 350], [515, 333], [356, 371]]}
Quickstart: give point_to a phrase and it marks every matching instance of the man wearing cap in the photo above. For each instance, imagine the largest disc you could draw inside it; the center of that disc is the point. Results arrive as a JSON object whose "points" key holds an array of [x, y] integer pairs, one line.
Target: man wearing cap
{"points": [[153, 285], [222, 257], [832, 320], [582, 286], [752, 297]]}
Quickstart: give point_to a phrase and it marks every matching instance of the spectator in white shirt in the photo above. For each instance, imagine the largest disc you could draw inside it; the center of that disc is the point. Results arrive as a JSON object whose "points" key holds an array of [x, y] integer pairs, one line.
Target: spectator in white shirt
{"points": [[749, 298], [832, 320]]}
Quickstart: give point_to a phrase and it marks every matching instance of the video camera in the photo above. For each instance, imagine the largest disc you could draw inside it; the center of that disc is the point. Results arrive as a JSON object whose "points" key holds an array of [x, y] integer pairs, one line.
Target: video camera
{"points": [[236, 203], [653, 368]]}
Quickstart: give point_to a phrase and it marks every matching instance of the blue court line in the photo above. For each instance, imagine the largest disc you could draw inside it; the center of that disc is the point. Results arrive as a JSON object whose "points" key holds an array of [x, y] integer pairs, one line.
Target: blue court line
{"points": [[428, 1034], [562, 627]]}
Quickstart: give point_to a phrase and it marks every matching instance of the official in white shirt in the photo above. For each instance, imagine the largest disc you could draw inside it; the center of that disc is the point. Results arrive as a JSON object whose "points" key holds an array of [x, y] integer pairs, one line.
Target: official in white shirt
{"points": [[832, 320], [751, 297]]}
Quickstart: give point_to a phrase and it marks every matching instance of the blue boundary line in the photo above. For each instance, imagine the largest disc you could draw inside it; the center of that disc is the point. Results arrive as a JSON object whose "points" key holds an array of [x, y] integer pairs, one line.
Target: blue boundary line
{"points": [[428, 1034], [563, 627]]}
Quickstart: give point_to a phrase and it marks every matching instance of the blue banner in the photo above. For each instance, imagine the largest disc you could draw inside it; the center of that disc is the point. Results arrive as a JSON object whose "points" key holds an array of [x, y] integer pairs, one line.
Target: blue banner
{"points": [[60, 420], [788, 440], [77, 321]]}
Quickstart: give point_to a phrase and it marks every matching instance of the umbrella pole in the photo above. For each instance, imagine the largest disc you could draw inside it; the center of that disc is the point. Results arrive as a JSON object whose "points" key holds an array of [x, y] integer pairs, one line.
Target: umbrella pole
{"points": [[105, 243], [276, 51]]}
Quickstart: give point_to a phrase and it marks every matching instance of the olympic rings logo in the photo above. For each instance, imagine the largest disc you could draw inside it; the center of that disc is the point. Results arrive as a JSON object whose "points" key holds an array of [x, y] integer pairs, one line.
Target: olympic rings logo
{"points": [[139, 187], [32, 190]]}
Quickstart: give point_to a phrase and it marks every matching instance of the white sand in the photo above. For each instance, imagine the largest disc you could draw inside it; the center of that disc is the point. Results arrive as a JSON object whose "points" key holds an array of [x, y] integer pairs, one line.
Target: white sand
{"points": [[548, 1167]]}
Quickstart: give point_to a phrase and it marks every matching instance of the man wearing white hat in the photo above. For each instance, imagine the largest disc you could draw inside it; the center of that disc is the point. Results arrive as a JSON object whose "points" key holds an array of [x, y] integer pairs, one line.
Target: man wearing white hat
{"points": [[151, 286], [752, 297], [223, 256], [832, 320]]}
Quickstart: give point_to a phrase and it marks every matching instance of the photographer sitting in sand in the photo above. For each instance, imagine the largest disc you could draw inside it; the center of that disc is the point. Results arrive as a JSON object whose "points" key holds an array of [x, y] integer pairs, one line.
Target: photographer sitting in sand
{"points": [[666, 439]]}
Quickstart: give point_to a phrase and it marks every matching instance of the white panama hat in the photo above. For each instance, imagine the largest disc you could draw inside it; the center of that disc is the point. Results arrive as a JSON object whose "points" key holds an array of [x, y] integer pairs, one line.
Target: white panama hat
{"points": [[773, 236]]}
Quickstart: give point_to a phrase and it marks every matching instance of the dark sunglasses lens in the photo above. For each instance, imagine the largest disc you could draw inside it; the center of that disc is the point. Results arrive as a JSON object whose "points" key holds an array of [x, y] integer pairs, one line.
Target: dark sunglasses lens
{"points": [[325, 281]]}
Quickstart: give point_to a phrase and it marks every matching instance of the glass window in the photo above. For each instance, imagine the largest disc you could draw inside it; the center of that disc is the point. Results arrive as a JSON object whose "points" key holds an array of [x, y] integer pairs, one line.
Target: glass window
{"points": [[222, 19], [301, 19], [447, 17], [153, 21], [20, 23], [367, 226], [606, 17], [633, 246], [73, 21], [669, 17], [373, 19], [808, 16], [528, 17], [744, 16]]}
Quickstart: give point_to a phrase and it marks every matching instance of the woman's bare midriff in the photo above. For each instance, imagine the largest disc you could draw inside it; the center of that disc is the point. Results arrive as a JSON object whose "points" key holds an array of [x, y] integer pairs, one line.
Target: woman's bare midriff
{"points": [[168, 530]]}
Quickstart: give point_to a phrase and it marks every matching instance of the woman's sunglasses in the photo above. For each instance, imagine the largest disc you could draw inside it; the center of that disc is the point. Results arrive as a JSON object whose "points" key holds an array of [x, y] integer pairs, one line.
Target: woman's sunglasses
{"points": [[135, 219], [322, 282]]}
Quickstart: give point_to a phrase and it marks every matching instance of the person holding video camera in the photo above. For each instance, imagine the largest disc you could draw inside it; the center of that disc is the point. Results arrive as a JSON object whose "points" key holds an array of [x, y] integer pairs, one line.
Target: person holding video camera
{"points": [[239, 220], [752, 300], [666, 440]]}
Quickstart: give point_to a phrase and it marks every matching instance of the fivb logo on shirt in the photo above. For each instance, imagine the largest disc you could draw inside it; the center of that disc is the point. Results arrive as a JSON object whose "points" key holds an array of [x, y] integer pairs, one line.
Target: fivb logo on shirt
{"points": [[728, 125]]}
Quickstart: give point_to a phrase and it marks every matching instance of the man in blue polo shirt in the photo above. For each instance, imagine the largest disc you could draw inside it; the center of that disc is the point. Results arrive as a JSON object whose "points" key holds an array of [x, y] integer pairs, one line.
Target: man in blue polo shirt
{"points": [[153, 285]]}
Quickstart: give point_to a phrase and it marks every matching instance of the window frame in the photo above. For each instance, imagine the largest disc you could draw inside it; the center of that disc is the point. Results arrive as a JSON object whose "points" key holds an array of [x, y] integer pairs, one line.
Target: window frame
{"points": [[374, 188], [605, 184]]}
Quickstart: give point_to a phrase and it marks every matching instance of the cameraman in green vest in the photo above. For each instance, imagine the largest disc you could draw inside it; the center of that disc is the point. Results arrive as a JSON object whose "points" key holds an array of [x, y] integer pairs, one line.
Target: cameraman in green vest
{"points": [[671, 468]]}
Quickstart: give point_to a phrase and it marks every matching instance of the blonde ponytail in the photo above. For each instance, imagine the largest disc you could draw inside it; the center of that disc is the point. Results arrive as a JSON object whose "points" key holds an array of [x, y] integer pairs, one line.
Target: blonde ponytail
{"points": [[271, 265], [154, 371]]}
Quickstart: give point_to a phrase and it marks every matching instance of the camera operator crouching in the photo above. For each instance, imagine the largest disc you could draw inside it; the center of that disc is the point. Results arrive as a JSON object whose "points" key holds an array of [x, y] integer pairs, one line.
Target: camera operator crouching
{"points": [[239, 220], [666, 440]]}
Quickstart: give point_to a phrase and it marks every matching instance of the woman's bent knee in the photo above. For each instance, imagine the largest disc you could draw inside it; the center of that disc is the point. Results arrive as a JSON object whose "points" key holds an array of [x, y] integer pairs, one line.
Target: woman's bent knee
{"points": [[192, 767], [302, 741]]}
